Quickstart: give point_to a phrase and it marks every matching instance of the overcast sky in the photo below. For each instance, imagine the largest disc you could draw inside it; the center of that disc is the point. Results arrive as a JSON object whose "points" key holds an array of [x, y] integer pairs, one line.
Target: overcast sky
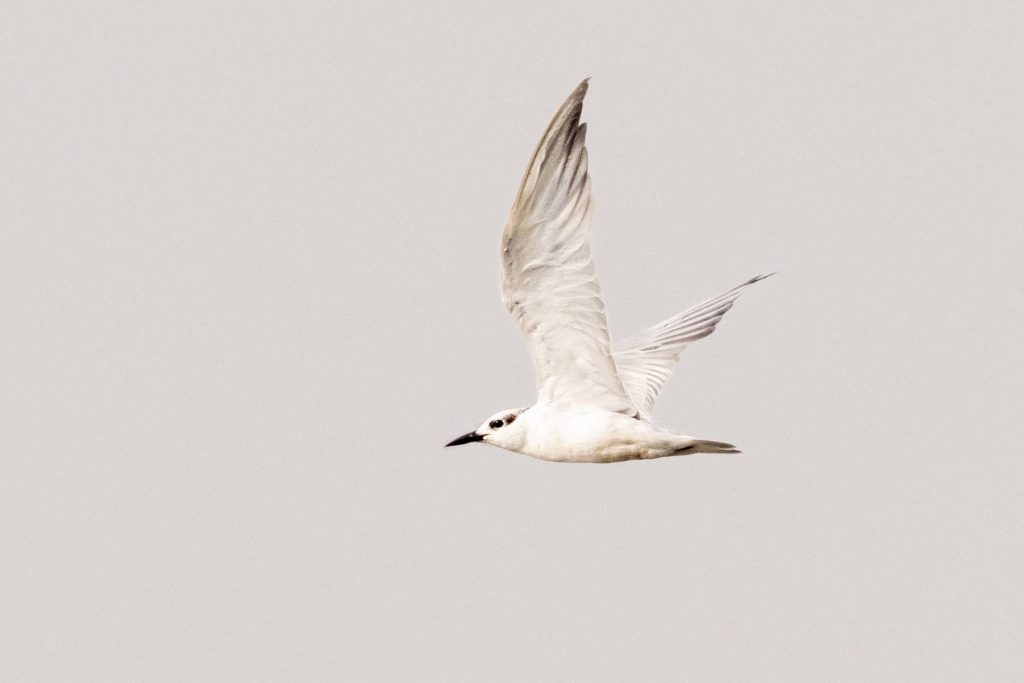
{"points": [[248, 288]]}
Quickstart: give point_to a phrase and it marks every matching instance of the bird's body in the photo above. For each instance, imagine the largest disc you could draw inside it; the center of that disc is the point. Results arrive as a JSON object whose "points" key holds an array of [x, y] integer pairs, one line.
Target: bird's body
{"points": [[550, 432], [593, 404]]}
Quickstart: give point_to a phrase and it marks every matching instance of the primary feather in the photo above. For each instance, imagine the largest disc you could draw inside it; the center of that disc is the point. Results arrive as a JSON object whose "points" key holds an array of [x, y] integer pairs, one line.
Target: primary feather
{"points": [[646, 361], [548, 279]]}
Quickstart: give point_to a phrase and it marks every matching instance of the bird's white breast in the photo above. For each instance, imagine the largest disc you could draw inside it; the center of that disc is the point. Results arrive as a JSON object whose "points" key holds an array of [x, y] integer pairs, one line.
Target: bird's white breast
{"points": [[551, 433]]}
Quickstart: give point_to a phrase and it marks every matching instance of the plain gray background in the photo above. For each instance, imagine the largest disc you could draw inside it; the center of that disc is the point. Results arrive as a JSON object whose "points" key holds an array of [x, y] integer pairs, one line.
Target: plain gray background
{"points": [[248, 287]]}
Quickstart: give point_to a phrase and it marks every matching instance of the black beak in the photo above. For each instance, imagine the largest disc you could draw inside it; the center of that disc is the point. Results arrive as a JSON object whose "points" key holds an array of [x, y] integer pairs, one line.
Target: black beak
{"points": [[466, 438]]}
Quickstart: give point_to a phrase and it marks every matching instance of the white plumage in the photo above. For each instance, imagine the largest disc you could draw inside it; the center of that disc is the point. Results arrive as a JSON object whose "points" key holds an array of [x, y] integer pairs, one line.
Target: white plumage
{"points": [[593, 405], [645, 361]]}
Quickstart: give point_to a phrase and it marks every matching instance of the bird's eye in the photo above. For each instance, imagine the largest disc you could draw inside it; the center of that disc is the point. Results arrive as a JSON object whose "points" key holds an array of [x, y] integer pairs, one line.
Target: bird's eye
{"points": [[496, 424]]}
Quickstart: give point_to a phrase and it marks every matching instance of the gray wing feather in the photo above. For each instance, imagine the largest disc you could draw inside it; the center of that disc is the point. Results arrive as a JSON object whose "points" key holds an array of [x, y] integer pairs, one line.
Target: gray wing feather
{"points": [[646, 361], [548, 279]]}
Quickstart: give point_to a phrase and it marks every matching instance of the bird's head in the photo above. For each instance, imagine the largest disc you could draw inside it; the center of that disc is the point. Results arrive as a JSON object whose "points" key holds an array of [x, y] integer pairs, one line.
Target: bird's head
{"points": [[500, 429]]}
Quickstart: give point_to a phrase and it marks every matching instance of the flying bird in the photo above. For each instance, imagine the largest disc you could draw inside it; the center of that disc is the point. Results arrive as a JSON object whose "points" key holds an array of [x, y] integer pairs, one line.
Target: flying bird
{"points": [[593, 404]]}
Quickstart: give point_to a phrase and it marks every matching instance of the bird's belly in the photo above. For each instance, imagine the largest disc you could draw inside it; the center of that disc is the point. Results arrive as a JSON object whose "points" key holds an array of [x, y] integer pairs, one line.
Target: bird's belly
{"points": [[600, 437]]}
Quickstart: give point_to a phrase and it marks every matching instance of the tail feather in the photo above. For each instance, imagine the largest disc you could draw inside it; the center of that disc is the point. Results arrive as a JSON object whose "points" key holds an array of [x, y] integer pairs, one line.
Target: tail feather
{"points": [[701, 446]]}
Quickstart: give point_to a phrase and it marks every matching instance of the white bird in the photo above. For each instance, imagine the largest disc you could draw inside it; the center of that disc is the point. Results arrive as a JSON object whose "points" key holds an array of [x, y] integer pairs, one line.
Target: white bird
{"points": [[593, 405]]}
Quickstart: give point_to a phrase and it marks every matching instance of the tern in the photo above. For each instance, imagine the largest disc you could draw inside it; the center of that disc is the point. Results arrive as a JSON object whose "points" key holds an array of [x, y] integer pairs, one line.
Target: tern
{"points": [[593, 404]]}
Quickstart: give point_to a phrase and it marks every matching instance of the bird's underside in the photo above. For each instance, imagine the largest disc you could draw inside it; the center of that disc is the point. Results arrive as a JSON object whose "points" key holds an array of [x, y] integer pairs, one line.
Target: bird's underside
{"points": [[551, 434], [593, 404]]}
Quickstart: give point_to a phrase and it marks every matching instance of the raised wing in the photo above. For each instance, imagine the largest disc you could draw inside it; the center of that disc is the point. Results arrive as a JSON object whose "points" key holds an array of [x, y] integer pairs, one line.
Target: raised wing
{"points": [[548, 279], [646, 360]]}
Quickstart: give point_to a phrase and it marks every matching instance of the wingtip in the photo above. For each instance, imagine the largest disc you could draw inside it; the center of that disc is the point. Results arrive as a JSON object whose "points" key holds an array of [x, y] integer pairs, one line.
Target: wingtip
{"points": [[758, 278], [572, 108]]}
